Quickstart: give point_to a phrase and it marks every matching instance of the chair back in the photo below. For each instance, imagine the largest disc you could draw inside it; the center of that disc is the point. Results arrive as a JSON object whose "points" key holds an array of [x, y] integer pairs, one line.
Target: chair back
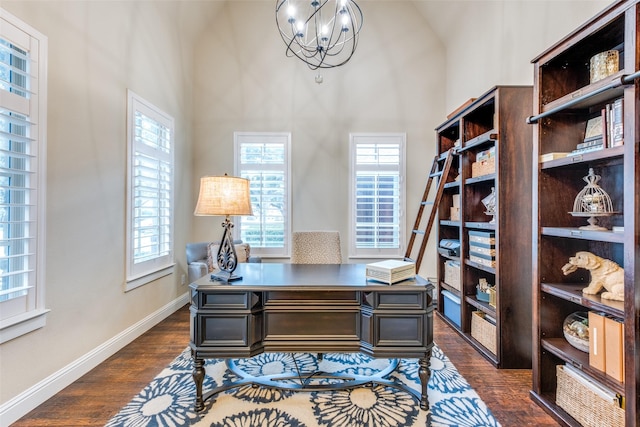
{"points": [[316, 247]]}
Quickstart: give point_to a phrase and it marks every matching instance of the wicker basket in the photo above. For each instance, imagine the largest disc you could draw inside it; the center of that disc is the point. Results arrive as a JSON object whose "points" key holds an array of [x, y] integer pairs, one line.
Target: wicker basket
{"points": [[452, 274], [484, 167], [483, 331], [583, 404]]}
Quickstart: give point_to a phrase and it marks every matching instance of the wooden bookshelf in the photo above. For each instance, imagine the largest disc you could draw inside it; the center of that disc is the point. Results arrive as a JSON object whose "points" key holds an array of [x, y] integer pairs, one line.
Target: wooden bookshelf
{"points": [[493, 122], [565, 99]]}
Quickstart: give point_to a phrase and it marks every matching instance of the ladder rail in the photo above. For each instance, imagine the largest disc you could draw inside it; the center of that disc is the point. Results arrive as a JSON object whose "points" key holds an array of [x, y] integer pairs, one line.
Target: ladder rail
{"points": [[418, 220], [434, 207]]}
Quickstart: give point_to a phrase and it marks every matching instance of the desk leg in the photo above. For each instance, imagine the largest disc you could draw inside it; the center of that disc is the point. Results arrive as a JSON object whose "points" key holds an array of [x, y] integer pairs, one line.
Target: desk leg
{"points": [[198, 379], [424, 372]]}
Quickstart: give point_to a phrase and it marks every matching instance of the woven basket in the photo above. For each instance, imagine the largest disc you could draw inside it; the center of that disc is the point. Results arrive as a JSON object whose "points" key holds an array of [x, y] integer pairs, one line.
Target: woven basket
{"points": [[483, 331], [584, 405], [484, 167], [452, 274]]}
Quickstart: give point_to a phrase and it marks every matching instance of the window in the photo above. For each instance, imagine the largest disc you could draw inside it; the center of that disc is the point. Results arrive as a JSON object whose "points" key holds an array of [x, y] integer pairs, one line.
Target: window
{"points": [[263, 158], [23, 100], [150, 193], [377, 195]]}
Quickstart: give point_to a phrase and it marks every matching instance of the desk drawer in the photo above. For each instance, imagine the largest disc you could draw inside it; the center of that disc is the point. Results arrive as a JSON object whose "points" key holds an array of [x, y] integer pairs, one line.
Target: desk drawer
{"points": [[226, 330], [320, 325], [226, 300], [396, 300], [394, 330], [298, 298]]}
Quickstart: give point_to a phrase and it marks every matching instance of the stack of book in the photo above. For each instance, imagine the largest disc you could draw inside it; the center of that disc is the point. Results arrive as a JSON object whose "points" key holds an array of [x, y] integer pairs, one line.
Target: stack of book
{"points": [[589, 144], [603, 131]]}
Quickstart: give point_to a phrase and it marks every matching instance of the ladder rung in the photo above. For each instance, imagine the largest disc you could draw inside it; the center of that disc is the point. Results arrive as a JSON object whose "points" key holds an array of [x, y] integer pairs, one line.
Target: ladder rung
{"points": [[407, 259], [418, 231], [427, 202], [435, 174]]}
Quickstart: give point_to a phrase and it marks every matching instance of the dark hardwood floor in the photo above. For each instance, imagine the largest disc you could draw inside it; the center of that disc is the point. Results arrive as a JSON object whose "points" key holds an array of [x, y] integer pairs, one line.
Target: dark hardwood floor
{"points": [[99, 395]]}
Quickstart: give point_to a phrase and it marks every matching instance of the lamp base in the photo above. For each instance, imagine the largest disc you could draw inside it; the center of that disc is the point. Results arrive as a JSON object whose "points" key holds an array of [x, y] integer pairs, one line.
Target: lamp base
{"points": [[225, 276], [226, 257]]}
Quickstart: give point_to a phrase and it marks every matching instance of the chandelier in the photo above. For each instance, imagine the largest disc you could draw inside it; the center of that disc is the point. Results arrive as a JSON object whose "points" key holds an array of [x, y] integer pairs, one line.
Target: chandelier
{"points": [[322, 33]]}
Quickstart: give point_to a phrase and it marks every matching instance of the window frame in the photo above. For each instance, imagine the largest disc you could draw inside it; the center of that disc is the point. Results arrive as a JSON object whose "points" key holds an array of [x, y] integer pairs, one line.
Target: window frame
{"points": [[33, 316], [377, 138], [160, 266], [267, 137]]}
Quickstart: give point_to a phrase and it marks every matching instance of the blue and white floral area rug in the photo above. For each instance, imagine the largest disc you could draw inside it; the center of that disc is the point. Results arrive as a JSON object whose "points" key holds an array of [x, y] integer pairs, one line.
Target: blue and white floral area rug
{"points": [[168, 399]]}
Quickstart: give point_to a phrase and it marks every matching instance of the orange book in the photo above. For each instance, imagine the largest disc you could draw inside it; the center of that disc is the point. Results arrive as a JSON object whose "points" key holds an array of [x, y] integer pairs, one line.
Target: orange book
{"points": [[614, 354], [596, 341]]}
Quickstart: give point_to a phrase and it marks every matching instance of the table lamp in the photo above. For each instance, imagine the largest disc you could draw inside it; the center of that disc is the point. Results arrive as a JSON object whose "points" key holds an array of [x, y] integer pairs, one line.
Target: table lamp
{"points": [[225, 196]]}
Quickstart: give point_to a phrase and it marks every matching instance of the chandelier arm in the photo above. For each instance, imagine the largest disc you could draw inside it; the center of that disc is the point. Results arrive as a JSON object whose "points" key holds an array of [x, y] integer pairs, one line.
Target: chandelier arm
{"points": [[300, 55]]}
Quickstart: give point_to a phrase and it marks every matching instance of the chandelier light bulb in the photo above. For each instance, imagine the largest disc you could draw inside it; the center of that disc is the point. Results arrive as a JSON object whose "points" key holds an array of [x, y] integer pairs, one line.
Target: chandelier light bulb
{"points": [[300, 28], [321, 33], [345, 21]]}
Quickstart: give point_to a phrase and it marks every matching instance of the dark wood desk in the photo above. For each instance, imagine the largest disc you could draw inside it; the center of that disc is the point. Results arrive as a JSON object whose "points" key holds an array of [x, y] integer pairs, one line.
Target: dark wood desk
{"points": [[310, 308]]}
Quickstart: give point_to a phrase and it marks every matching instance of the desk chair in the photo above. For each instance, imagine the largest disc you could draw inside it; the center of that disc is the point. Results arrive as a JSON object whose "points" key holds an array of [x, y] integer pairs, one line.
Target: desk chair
{"points": [[316, 247]]}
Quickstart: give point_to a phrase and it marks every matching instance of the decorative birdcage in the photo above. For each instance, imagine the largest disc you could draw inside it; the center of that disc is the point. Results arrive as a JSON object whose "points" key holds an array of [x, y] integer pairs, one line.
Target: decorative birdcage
{"points": [[592, 202], [489, 203]]}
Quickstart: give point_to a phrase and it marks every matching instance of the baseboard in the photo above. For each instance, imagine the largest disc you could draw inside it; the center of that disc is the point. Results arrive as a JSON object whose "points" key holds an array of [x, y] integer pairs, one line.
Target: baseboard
{"points": [[31, 398]]}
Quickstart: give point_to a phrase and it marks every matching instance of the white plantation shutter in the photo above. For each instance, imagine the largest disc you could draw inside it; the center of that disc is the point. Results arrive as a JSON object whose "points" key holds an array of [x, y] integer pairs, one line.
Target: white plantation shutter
{"points": [[263, 159], [377, 195], [150, 213], [22, 176]]}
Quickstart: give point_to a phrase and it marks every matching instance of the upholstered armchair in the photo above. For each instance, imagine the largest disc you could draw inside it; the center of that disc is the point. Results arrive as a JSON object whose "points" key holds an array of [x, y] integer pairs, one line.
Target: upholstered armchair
{"points": [[316, 247], [201, 263]]}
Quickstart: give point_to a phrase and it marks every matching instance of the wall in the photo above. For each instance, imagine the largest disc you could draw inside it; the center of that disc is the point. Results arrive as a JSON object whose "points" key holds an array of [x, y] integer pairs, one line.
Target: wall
{"points": [[97, 50], [490, 43], [244, 82]]}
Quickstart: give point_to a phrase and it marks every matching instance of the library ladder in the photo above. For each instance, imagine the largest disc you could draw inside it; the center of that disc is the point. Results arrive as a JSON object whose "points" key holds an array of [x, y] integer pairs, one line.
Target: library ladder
{"points": [[421, 230]]}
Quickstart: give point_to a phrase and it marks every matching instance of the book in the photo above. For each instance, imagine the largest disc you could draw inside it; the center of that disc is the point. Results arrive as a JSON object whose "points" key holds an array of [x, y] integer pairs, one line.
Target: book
{"points": [[590, 142], [605, 133], [617, 125], [614, 344], [594, 128], [552, 156], [589, 149], [596, 341]]}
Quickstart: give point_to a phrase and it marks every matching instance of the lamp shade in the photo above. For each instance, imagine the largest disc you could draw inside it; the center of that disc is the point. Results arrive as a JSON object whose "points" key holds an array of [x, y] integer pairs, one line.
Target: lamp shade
{"points": [[223, 195]]}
